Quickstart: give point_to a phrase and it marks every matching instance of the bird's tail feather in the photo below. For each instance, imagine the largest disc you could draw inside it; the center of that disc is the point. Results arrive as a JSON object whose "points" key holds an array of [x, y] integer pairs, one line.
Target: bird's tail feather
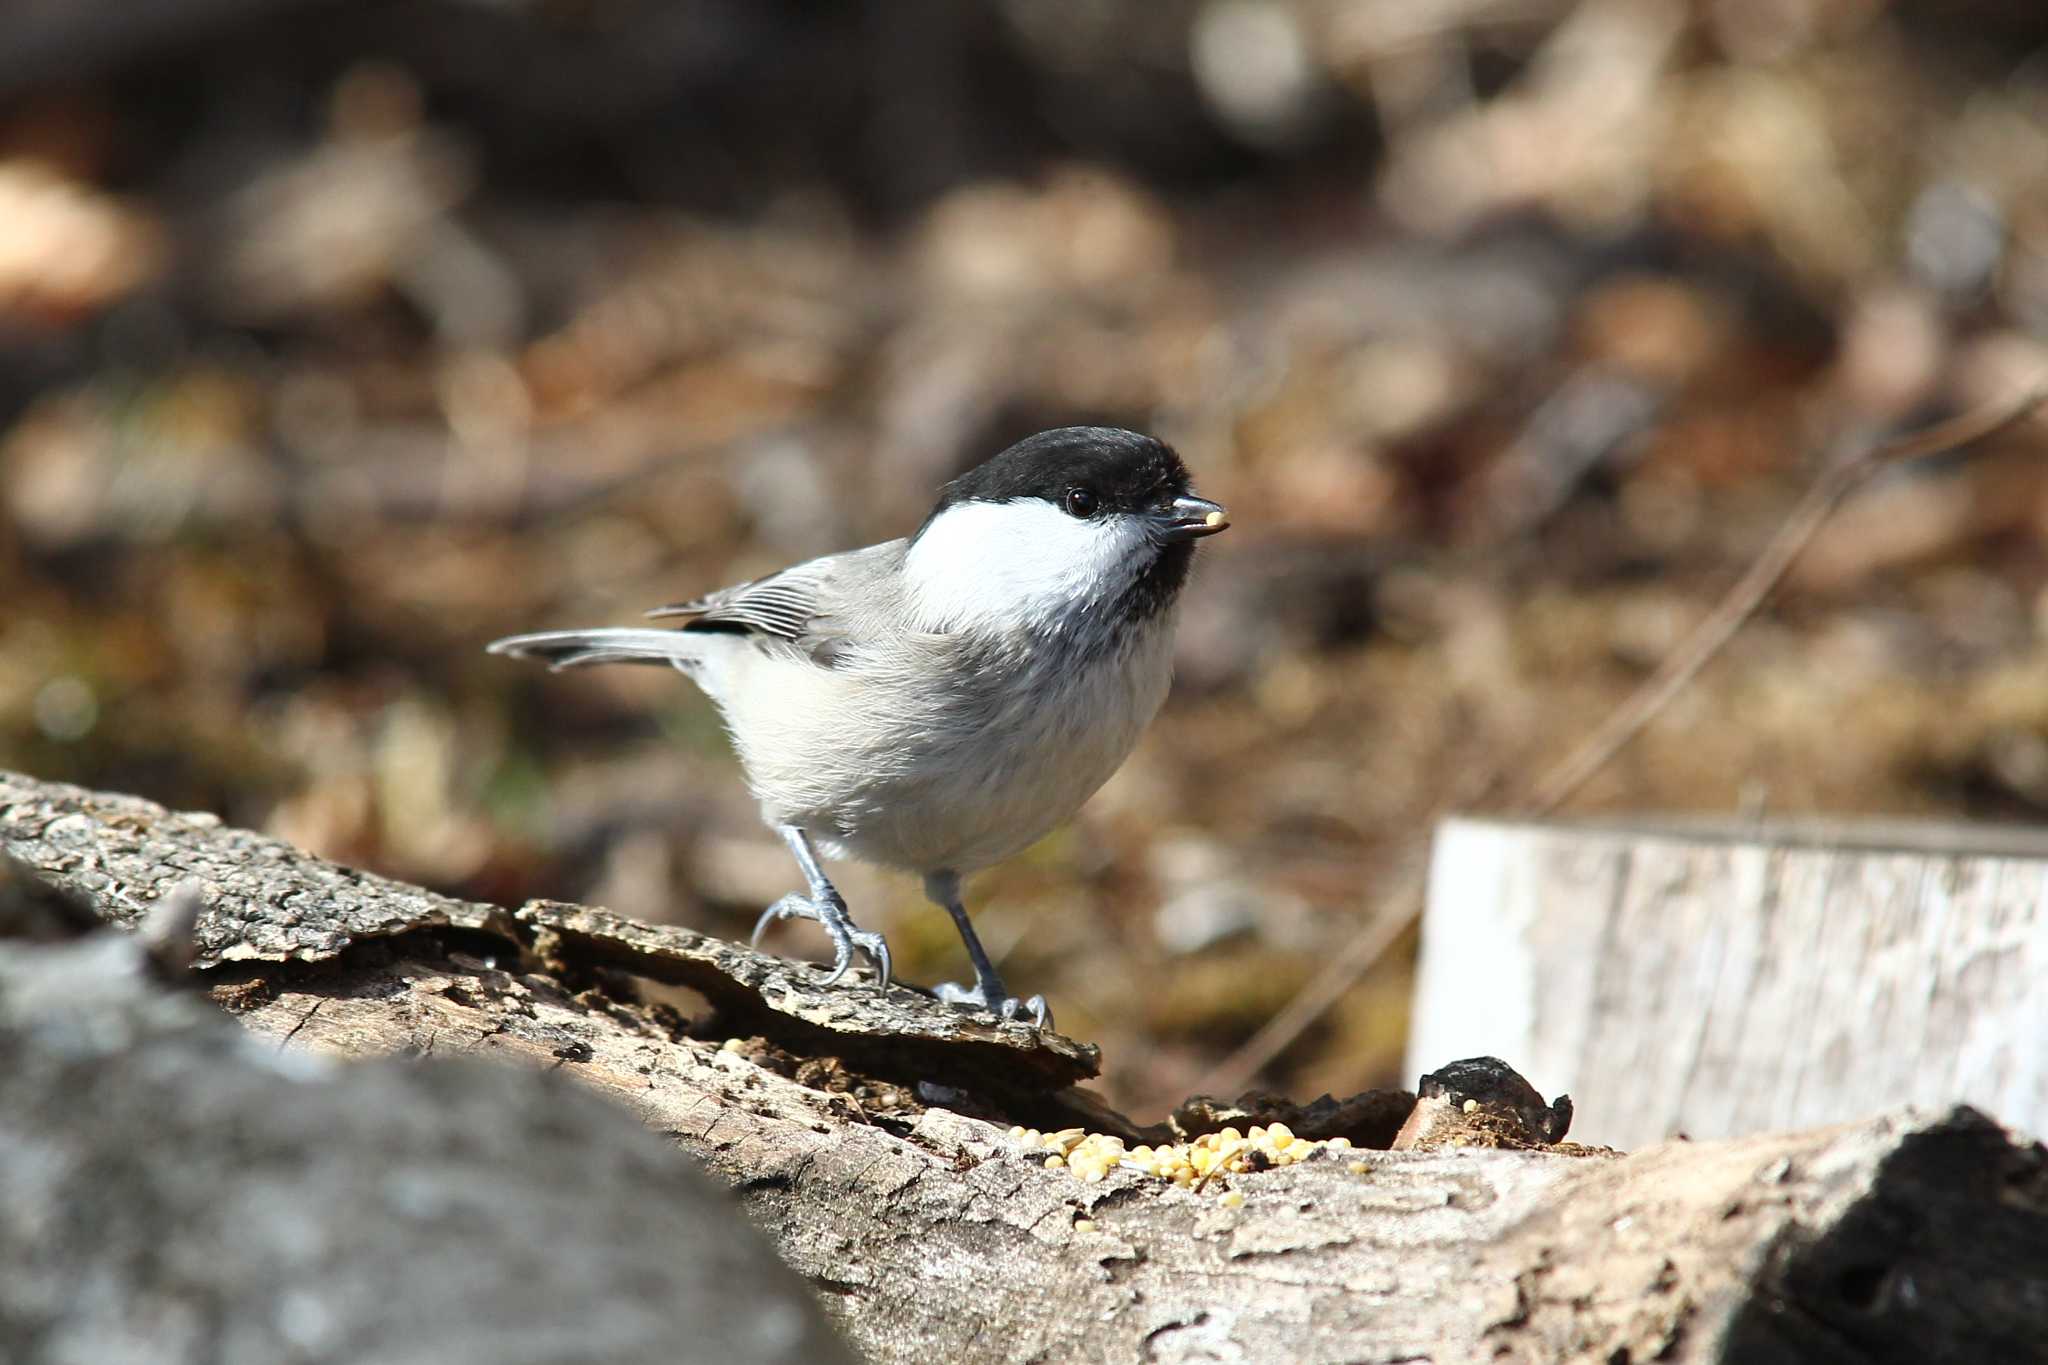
{"points": [[561, 649]]}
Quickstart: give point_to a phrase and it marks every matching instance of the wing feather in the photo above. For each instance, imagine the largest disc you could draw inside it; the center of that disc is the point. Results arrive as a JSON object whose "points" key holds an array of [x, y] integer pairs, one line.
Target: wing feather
{"points": [[783, 605], [808, 605]]}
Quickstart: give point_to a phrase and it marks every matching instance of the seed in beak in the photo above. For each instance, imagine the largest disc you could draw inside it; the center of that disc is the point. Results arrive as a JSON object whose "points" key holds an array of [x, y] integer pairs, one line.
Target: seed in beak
{"points": [[1213, 519]]}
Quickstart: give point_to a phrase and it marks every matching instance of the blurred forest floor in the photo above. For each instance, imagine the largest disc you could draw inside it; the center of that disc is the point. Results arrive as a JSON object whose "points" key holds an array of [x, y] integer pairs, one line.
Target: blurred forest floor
{"points": [[336, 340]]}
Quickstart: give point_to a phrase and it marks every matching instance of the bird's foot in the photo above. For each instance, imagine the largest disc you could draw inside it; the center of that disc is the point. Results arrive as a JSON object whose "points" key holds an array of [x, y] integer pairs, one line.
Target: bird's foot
{"points": [[830, 914], [981, 996]]}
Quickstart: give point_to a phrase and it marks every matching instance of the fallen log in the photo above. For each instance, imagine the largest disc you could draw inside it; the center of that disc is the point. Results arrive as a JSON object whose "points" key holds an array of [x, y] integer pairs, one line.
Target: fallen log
{"points": [[896, 1185], [174, 1190]]}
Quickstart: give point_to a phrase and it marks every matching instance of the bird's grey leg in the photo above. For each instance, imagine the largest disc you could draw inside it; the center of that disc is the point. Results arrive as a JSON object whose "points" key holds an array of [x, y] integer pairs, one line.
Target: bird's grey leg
{"points": [[825, 905], [987, 992]]}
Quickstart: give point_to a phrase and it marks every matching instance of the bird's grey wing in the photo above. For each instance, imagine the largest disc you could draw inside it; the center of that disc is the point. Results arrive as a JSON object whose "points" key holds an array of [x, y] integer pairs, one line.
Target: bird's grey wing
{"points": [[781, 605], [810, 605]]}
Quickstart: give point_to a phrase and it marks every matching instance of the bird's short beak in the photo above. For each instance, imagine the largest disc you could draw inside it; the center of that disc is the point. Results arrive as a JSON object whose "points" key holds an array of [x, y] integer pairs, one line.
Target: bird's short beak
{"points": [[1189, 517]]}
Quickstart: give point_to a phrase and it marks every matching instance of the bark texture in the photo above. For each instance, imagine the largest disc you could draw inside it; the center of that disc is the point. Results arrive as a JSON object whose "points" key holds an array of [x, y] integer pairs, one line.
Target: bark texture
{"points": [[929, 1234], [174, 1189], [265, 901], [1720, 981]]}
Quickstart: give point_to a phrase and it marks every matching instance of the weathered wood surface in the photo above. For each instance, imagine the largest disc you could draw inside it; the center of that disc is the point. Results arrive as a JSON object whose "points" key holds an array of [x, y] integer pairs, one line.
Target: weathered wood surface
{"points": [[1725, 980], [264, 900], [930, 1235], [901, 1028], [176, 1191], [936, 1237]]}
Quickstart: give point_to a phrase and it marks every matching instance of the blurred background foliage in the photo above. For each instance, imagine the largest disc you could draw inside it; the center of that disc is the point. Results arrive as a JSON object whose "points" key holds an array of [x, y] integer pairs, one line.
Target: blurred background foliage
{"points": [[338, 338]]}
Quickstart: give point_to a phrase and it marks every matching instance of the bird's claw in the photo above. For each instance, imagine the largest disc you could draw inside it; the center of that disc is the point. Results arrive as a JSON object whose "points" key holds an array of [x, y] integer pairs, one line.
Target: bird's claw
{"points": [[847, 938], [1006, 1007], [867, 941]]}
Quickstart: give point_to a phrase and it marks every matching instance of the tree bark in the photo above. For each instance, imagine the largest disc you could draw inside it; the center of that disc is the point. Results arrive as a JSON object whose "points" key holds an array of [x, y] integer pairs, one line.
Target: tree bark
{"points": [[1721, 980], [175, 1191], [930, 1234]]}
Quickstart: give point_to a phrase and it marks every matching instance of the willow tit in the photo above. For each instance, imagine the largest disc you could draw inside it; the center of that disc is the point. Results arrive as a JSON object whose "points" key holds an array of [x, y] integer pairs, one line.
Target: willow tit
{"points": [[938, 703]]}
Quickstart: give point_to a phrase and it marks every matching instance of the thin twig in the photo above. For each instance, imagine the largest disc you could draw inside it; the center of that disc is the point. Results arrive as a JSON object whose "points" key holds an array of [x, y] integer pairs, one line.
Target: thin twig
{"points": [[1742, 601], [1403, 905]]}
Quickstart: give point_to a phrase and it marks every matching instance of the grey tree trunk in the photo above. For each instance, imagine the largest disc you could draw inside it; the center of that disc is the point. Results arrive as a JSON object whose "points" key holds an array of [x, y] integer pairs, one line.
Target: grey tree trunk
{"points": [[842, 1120], [1720, 980]]}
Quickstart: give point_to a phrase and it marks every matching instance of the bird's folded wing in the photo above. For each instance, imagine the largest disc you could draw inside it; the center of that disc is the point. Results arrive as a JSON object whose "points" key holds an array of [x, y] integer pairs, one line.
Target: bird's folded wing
{"points": [[782, 604], [805, 604]]}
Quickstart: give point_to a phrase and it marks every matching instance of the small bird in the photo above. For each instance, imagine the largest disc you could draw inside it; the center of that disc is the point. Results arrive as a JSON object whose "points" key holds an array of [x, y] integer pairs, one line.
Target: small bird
{"points": [[939, 703]]}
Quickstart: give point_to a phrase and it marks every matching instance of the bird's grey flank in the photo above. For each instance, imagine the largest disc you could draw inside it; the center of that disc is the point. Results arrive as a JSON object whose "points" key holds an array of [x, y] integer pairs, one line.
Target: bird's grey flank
{"points": [[937, 703]]}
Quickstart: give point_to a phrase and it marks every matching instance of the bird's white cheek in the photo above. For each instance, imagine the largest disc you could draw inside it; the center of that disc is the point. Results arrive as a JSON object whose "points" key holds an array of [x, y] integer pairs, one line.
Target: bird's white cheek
{"points": [[1015, 563]]}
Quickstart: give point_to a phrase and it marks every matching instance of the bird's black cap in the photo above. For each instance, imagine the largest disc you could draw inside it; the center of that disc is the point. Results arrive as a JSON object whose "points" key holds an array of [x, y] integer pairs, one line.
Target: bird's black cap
{"points": [[1124, 470], [1119, 472]]}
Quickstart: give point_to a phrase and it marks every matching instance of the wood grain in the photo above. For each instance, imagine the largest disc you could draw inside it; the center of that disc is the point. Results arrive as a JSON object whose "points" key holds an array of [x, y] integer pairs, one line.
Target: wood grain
{"points": [[1722, 980]]}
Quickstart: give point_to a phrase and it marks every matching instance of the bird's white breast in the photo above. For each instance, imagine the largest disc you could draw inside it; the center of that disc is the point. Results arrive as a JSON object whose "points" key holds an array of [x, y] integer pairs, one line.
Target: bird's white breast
{"points": [[999, 768]]}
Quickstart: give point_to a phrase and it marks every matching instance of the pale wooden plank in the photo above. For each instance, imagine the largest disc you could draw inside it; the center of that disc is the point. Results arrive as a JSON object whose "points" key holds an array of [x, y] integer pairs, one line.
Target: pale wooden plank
{"points": [[1717, 979]]}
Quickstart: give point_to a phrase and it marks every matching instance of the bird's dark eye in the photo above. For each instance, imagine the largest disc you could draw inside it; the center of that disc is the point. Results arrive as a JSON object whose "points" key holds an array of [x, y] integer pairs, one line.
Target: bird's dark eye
{"points": [[1080, 503]]}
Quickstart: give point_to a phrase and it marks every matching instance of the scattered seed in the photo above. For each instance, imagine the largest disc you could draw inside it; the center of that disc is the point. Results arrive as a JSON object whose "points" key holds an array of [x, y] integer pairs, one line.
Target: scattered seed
{"points": [[1093, 1157]]}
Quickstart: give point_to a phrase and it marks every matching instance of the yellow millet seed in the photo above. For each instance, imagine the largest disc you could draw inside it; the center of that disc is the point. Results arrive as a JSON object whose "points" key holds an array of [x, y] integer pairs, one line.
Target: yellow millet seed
{"points": [[1055, 1161], [1231, 1199]]}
